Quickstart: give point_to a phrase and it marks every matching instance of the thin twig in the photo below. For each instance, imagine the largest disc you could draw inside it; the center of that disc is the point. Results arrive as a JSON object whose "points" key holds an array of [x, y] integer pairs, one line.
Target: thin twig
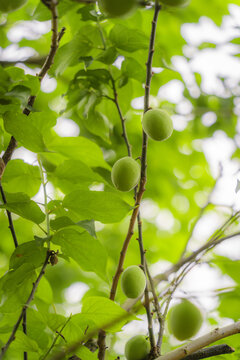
{"points": [[155, 300], [25, 306], [124, 132], [207, 246], [174, 268], [9, 215], [56, 338], [24, 325], [146, 292]]}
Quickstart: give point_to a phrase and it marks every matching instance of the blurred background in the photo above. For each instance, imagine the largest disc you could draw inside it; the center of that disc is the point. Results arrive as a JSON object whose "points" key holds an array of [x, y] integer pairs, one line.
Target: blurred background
{"points": [[193, 178]]}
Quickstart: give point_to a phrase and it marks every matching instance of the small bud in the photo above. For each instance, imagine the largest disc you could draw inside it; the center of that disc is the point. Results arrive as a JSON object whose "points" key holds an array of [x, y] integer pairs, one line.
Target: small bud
{"points": [[53, 259]]}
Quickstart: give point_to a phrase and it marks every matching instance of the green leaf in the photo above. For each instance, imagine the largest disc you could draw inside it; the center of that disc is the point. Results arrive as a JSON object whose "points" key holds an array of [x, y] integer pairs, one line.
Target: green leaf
{"points": [[76, 171], [64, 221], [44, 291], [229, 267], [23, 129], [133, 69], [103, 206], [85, 354], [81, 45], [31, 252], [84, 249], [23, 342], [15, 287], [79, 148], [94, 308], [108, 56], [72, 332], [128, 39], [22, 176], [98, 124], [20, 204], [229, 304]]}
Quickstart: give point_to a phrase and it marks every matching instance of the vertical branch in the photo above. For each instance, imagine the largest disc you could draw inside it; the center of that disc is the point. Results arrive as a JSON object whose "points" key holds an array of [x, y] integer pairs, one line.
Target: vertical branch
{"points": [[24, 325], [9, 215], [25, 306], [130, 232], [52, 5]]}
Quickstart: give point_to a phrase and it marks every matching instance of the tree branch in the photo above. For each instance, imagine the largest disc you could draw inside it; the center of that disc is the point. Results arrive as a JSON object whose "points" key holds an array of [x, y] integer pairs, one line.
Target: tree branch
{"points": [[201, 342], [124, 132], [214, 241], [25, 306], [46, 66], [210, 351], [179, 353], [9, 215], [208, 246], [102, 335], [143, 162]]}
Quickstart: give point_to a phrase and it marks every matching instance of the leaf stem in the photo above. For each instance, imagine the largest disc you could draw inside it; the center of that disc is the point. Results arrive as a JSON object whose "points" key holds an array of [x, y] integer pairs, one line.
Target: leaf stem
{"points": [[44, 184]]}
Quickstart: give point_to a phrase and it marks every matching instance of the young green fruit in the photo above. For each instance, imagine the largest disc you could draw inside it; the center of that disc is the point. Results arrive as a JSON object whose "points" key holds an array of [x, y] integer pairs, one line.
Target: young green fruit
{"points": [[133, 282], [185, 319], [157, 124], [176, 3], [137, 348], [7, 6], [125, 174], [117, 8]]}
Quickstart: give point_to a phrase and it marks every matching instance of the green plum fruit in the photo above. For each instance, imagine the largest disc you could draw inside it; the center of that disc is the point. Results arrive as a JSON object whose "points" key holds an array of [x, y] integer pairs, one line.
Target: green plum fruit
{"points": [[157, 124], [117, 8], [133, 282], [7, 6], [175, 3], [184, 320], [125, 173], [137, 348]]}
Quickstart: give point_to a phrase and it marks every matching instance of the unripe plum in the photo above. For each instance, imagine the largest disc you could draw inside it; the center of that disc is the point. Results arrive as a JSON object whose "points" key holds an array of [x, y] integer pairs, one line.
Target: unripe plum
{"points": [[185, 320], [176, 3], [133, 282], [7, 6], [125, 173], [157, 124], [137, 348], [117, 8]]}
